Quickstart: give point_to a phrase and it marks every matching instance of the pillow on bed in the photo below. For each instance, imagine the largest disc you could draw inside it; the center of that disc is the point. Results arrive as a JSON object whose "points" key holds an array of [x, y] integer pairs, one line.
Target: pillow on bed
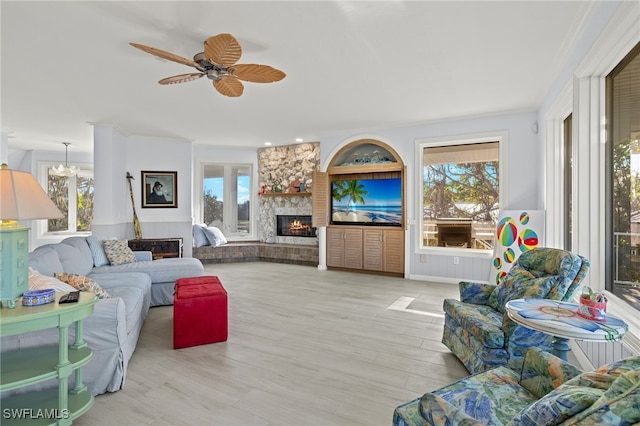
{"points": [[199, 239], [214, 235]]}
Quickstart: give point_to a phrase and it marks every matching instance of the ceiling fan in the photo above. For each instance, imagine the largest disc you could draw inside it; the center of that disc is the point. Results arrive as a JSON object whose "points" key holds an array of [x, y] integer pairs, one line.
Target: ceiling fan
{"points": [[218, 63]]}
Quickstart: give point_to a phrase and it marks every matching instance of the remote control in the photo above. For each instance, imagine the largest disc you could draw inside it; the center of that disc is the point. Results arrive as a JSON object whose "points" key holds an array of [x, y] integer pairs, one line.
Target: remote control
{"points": [[71, 297]]}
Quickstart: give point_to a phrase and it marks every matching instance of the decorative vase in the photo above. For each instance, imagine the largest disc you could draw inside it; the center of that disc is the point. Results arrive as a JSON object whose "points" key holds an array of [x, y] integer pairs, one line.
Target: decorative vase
{"points": [[592, 309]]}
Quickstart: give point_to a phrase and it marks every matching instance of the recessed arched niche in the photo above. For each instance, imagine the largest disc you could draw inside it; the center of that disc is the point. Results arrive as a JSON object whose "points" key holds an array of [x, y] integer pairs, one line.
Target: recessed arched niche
{"points": [[365, 155], [368, 232]]}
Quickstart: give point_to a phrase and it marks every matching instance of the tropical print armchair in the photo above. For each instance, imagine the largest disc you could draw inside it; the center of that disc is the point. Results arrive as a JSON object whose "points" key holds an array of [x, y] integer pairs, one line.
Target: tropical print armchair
{"points": [[548, 391], [478, 330]]}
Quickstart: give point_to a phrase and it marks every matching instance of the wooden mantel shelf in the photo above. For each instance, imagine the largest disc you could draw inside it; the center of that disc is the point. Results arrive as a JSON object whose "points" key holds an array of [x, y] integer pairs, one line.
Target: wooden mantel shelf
{"points": [[286, 194]]}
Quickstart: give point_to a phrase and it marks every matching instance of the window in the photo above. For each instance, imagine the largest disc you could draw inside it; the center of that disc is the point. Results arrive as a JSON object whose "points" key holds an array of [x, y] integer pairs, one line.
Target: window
{"points": [[460, 193], [623, 171], [74, 197], [227, 199]]}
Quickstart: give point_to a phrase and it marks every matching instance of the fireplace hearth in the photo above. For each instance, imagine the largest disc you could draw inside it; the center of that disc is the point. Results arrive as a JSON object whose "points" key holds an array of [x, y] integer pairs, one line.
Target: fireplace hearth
{"points": [[294, 226]]}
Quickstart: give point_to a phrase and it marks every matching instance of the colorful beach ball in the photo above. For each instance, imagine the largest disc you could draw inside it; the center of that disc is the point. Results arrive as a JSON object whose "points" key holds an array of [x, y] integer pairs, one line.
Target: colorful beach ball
{"points": [[524, 218], [527, 240], [497, 263], [500, 277], [507, 231], [509, 255]]}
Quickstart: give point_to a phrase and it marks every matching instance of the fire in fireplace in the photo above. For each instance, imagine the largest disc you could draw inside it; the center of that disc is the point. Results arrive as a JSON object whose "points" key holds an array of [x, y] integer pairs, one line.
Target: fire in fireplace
{"points": [[294, 226]]}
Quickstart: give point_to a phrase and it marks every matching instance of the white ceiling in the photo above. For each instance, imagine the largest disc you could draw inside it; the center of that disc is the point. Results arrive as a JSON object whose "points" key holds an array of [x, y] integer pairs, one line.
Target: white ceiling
{"points": [[350, 66]]}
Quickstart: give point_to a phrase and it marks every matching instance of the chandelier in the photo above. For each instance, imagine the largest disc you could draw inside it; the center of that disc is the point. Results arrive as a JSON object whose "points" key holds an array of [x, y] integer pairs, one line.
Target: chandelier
{"points": [[66, 169]]}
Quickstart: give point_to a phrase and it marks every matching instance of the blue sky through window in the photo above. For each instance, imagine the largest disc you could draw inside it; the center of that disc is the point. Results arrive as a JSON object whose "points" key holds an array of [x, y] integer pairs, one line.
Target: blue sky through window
{"points": [[216, 186]]}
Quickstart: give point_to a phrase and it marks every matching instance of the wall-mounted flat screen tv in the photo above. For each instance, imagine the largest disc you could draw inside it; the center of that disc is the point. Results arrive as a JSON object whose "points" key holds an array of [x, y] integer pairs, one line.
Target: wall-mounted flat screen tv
{"points": [[366, 202]]}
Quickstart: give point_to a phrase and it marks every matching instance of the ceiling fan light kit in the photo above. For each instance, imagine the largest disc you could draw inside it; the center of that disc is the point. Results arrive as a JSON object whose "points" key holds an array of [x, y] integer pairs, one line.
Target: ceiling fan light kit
{"points": [[218, 63]]}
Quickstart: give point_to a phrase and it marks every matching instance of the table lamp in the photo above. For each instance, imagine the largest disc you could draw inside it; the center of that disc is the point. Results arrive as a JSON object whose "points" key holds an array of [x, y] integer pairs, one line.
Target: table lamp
{"points": [[21, 198]]}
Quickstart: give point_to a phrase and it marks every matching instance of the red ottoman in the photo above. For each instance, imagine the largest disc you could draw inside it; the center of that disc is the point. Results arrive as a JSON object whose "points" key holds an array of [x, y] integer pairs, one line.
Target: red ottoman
{"points": [[199, 312]]}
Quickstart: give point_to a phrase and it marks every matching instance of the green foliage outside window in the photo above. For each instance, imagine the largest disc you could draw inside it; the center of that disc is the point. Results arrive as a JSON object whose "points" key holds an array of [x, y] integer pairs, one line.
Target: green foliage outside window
{"points": [[461, 191], [626, 202], [59, 187]]}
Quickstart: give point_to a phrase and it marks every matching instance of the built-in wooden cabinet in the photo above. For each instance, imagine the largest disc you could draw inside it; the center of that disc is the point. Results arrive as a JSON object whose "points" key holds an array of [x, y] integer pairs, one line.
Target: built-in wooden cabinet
{"points": [[364, 247], [344, 247], [368, 249], [383, 250]]}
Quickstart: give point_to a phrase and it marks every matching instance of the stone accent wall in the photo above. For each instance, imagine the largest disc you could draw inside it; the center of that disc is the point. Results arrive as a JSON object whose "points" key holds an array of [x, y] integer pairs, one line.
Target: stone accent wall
{"points": [[281, 165]]}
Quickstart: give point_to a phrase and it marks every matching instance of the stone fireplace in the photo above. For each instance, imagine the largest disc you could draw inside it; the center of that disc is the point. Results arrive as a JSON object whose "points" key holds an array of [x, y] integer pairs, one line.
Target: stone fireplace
{"points": [[279, 167], [294, 226], [272, 208]]}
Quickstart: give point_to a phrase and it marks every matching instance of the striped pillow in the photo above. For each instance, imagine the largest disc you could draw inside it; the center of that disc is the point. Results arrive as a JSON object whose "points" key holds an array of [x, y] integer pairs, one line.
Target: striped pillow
{"points": [[37, 281], [97, 251]]}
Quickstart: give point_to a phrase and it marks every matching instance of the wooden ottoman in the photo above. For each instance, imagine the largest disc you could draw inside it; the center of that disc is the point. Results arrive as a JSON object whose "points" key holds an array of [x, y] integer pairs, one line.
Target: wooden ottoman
{"points": [[199, 312]]}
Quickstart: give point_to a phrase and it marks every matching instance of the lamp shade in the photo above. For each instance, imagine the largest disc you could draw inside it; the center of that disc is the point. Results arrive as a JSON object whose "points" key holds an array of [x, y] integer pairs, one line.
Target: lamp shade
{"points": [[22, 197]]}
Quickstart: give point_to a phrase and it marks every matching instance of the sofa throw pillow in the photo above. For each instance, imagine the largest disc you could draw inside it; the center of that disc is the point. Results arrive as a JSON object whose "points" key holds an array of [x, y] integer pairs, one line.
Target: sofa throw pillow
{"points": [[37, 281], [199, 239], [97, 251], [214, 235], [118, 252], [82, 283]]}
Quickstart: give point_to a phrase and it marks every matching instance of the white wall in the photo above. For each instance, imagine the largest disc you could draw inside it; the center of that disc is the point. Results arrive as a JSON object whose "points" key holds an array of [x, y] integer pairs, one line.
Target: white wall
{"points": [[521, 179], [115, 155]]}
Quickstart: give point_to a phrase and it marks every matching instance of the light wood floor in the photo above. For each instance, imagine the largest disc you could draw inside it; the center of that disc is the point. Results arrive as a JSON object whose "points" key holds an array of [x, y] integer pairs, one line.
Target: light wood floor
{"points": [[306, 347]]}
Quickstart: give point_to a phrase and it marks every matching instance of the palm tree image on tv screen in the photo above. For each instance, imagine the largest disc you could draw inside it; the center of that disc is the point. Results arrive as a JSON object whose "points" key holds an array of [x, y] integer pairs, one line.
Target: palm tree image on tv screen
{"points": [[367, 202]]}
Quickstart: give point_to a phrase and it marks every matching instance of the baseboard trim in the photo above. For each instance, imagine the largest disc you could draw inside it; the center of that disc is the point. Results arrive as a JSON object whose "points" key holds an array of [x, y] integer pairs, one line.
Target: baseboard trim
{"points": [[443, 280]]}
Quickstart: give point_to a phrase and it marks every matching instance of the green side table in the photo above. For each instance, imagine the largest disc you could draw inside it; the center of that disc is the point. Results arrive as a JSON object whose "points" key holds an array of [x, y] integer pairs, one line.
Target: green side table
{"points": [[28, 366]]}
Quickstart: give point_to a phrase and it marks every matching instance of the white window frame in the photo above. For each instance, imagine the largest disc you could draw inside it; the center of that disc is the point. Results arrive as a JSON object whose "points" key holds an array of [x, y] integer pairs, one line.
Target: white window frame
{"points": [[41, 226], [228, 192], [474, 138], [584, 97]]}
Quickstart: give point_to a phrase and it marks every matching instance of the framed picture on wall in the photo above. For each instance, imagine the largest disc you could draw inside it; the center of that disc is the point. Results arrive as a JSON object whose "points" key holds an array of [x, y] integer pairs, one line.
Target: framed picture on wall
{"points": [[159, 189]]}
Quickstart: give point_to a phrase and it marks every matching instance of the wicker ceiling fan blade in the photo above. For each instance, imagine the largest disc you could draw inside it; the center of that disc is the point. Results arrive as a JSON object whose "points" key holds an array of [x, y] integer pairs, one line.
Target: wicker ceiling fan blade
{"points": [[223, 49], [182, 78], [165, 55], [229, 86], [257, 73]]}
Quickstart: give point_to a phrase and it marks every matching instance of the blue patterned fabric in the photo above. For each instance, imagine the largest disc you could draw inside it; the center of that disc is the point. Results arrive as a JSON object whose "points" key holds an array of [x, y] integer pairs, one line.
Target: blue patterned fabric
{"points": [[492, 397], [548, 391], [475, 293], [543, 372], [478, 331], [408, 414]]}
